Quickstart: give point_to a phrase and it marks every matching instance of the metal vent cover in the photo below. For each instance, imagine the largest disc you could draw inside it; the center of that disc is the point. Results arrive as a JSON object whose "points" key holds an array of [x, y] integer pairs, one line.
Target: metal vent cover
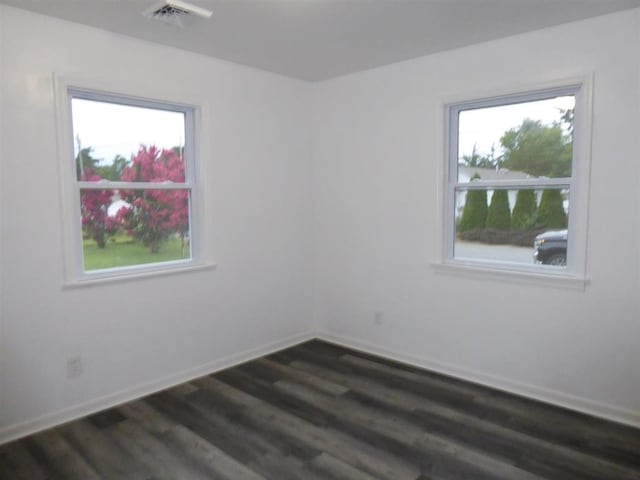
{"points": [[174, 11], [170, 10]]}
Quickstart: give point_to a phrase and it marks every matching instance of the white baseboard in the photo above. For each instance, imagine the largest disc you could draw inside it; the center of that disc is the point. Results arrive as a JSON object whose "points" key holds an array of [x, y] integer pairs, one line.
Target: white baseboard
{"points": [[609, 412], [584, 405], [13, 432]]}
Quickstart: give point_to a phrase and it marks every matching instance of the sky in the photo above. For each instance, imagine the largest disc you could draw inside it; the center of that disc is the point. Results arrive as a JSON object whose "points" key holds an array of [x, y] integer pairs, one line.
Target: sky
{"points": [[112, 129], [484, 126]]}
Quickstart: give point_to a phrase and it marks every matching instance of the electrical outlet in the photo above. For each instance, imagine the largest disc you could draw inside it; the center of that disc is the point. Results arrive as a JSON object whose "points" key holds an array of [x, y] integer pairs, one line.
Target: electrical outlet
{"points": [[377, 318], [74, 366]]}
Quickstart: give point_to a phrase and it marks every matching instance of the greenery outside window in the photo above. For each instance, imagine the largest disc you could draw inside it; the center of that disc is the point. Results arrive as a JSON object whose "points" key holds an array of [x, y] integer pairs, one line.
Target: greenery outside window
{"points": [[133, 187], [513, 198]]}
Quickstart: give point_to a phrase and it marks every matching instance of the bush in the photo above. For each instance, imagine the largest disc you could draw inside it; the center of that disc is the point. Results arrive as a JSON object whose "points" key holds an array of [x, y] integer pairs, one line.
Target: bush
{"points": [[489, 236], [551, 212], [499, 215], [525, 210], [474, 214], [525, 238]]}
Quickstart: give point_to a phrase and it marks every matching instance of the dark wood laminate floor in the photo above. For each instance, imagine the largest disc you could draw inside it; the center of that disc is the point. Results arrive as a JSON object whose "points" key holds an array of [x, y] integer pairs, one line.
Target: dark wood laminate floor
{"points": [[318, 411]]}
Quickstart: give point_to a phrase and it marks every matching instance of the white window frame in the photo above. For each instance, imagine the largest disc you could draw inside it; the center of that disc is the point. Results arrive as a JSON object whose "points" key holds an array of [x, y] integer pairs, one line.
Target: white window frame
{"points": [[74, 273], [574, 275]]}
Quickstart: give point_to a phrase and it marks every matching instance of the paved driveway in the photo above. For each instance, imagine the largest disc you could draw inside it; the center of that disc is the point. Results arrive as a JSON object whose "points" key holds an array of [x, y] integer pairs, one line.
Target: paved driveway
{"points": [[504, 253]]}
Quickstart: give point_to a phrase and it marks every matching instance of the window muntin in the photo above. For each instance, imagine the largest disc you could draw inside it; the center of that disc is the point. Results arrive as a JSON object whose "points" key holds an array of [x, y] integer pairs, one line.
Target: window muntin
{"points": [[134, 181], [521, 146]]}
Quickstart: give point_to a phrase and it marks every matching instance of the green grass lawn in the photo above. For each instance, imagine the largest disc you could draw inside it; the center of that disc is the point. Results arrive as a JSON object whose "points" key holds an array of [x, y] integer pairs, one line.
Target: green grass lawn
{"points": [[122, 251]]}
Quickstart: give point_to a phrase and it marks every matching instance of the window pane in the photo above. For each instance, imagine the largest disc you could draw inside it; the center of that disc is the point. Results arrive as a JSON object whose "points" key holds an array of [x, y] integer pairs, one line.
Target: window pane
{"points": [[524, 226], [127, 143], [134, 227], [518, 141]]}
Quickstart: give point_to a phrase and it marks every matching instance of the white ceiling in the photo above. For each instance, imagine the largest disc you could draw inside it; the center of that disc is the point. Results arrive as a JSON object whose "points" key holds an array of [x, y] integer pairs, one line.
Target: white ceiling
{"points": [[320, 39]]}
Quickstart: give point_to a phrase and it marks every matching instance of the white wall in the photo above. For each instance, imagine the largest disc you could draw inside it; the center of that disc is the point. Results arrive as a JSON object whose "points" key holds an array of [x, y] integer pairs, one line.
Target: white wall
{"points": [[144, 334], [378, 145]]}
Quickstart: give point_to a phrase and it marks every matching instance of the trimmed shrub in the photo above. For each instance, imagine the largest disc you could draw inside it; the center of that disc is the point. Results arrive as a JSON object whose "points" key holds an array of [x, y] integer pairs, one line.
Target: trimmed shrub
{"points": [[551, 213], [499, 215], [489, 236], [525, 210], [474, 214], [525, 238]]}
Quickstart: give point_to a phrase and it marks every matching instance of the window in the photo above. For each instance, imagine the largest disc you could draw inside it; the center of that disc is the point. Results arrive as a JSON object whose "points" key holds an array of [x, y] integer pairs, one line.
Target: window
{"points": [[132, 185], [513, 197]]}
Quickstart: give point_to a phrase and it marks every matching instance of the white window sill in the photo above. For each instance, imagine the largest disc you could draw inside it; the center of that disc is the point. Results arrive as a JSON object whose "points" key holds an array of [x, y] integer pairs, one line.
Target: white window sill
{"points": [[537, 276], [102, 278]]}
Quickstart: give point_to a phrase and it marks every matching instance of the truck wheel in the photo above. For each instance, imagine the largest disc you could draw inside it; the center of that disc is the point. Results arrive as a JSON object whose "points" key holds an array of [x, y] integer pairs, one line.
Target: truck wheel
{"points": [[557, 259]]}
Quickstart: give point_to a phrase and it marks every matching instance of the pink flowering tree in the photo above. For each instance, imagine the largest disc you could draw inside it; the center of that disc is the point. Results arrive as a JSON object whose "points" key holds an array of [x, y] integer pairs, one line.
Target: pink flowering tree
{"points": [[94, 204], [153, 215]]}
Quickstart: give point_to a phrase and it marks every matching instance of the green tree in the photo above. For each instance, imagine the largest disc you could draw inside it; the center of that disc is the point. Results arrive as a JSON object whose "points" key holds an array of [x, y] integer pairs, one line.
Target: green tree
{"points": [[85, 162], [474, 215], [551, 212], [524, 211], [499, 215], [537, 149], [477, 160], [114, 170], [566, 119]]}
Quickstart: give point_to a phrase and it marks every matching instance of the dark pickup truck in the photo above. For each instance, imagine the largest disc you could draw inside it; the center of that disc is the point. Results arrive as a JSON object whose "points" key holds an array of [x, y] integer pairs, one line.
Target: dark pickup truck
{"points": [[550, 248]]}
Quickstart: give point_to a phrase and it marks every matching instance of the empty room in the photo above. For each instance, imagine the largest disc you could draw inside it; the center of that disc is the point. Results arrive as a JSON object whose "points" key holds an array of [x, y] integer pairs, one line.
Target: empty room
{"points": [[320, 239]]}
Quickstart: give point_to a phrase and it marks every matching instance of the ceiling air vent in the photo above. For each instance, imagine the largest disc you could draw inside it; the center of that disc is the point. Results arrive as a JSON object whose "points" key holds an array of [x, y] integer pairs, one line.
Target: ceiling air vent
{"points": [[175, 12]]}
